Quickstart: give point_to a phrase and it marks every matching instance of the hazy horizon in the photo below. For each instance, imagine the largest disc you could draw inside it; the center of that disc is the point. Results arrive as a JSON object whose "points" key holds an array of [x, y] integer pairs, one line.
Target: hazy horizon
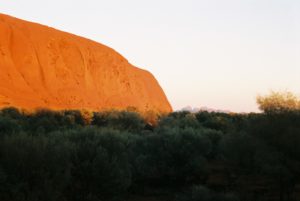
{"points": [[215, 54]]}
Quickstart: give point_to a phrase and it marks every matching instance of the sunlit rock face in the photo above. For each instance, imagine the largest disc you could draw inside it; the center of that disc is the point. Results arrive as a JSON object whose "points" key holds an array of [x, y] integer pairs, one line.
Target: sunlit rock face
{"points": [[41, 67]]}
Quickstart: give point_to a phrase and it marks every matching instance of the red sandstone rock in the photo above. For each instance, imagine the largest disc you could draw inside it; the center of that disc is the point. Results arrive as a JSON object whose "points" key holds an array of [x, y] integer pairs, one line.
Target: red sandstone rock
{"points": [[41, 67]]}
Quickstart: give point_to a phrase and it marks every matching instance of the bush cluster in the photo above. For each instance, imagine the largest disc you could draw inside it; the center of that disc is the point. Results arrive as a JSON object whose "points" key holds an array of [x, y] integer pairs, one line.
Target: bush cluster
{"points": [[204, 156]]}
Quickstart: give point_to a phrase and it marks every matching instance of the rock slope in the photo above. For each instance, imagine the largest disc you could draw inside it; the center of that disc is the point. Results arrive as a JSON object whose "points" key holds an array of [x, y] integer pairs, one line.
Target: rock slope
{"points": [[41, 67]]}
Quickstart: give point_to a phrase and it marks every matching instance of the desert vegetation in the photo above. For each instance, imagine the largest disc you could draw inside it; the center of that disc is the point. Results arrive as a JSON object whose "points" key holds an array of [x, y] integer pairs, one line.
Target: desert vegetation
{"points": [[117, 155]]}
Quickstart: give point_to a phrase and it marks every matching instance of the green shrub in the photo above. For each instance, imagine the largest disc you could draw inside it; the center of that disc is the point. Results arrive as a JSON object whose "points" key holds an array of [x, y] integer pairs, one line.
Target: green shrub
{"points": [[123, 120], [171, 157], [100, 166]]}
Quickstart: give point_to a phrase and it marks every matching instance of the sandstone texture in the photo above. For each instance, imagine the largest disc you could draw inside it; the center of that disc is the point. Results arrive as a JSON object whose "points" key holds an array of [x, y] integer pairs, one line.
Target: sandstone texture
{"points": [[41, 67]]}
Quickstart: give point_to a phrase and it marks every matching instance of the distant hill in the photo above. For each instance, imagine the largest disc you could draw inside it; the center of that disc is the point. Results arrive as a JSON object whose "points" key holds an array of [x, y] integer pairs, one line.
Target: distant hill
{"points": [[207, 109]]}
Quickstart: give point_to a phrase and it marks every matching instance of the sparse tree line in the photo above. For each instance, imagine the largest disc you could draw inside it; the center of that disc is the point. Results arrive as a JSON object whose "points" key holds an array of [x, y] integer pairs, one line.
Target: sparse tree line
{"points": [[70, 156]]}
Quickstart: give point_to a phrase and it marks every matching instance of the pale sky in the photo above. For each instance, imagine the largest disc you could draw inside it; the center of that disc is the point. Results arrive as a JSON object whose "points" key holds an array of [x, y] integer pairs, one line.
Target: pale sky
{"points": [[213, 53]]}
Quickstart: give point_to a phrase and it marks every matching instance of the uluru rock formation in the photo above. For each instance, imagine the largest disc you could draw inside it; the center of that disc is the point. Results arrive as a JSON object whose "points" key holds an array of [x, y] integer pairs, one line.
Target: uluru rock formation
{"points": [[41, 67]]}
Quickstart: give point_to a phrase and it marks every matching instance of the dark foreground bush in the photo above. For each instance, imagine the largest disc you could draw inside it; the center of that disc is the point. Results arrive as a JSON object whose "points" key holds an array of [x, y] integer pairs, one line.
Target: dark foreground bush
{"points": [[63, 156], [100, 166], [33, 168], [201, 193], [173, 157]]}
